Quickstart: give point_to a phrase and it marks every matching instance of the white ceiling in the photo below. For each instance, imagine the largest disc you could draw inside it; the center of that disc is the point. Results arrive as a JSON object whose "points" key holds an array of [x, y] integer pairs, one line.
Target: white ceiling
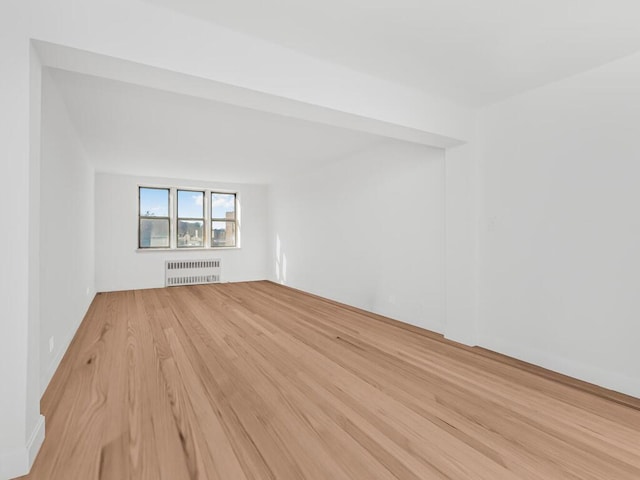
{"points": [[473, 51], [136, 130]]}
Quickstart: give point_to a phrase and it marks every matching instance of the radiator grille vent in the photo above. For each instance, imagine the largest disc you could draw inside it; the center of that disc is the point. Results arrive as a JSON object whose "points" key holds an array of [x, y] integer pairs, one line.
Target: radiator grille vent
{"points": [[193, 280], [182, 264], [192, 272]]}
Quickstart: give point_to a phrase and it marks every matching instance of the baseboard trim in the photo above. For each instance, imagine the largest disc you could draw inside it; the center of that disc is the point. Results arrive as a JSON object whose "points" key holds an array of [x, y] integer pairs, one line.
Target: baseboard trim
{"points": [[599, 382], [435, 334], [586, 373], [18, 461], [35, 441], [45, 379], [46, 376], [464, 339]]}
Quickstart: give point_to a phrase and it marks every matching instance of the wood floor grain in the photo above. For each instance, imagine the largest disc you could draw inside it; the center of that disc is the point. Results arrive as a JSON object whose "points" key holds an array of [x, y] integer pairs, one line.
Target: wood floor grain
{"points": [[258, 381]]}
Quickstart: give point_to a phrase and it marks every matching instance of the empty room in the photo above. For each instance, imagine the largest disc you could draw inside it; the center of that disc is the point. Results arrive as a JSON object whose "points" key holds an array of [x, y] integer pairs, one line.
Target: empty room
{"points": [[320, 240]]}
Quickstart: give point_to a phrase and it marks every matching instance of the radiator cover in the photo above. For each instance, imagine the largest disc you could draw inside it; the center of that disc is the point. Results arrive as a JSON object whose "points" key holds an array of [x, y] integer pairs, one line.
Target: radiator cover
{"points": [[192, 272]]}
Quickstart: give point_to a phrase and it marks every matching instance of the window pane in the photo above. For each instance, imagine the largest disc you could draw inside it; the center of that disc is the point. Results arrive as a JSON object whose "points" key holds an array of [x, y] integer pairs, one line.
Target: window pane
{"points": [[223, 234], [223, 205], [154, 233], [190, 233], [190, 204], [154, 202]]}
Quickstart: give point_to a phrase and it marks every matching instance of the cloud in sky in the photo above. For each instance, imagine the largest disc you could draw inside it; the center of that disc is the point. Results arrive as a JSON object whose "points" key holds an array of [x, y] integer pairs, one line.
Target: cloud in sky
{"points": [[225, 201], [222, 203]]}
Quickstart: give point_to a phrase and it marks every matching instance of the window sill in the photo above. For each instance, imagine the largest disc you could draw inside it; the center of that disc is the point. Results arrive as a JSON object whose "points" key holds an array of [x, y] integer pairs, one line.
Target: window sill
{"points": [[186, 249]]}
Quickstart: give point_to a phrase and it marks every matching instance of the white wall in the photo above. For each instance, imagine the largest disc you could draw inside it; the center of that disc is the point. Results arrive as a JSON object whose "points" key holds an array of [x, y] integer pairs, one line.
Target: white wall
{"points": [[367, 231], [461, 243], [67, 273], [560, 229], [21, 426], [119, 266]]}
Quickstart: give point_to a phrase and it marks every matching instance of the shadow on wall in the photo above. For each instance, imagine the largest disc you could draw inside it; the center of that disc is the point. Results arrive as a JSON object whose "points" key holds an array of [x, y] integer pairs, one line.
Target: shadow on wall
{"points": [[281, 262]]}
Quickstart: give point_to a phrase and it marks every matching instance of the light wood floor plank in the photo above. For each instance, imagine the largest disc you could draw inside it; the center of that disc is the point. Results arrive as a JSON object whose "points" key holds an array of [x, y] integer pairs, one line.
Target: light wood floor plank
{"points": [[253, 381]]}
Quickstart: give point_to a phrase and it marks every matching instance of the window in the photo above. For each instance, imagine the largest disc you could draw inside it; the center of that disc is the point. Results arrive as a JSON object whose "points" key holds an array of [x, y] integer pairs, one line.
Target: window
{"points": [[153, 218], [183, 218], [223, 219], [190, 218]]}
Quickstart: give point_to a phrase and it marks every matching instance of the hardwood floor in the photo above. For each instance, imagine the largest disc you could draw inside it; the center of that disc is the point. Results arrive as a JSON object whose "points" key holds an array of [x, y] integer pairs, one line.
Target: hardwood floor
{"points": [[258, 381]]}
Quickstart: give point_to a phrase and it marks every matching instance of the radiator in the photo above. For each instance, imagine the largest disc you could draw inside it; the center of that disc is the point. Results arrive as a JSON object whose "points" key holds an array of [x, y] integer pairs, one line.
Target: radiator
{"points": [[191, 272]]}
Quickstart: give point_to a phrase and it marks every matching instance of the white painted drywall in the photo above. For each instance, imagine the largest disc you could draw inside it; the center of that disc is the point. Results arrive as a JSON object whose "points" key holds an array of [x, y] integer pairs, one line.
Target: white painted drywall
{"points": [[142, 32], [112, 120], [21, 426], [367, 231], [481, 52], [560, 228], [67, 273], [461, 244], [120, 266]]}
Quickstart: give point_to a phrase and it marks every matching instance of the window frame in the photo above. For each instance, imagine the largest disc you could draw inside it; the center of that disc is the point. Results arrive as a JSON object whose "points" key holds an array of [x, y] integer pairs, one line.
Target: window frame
{"points": [[198, 219], [207, 243], [225, 220], [153, 217]]}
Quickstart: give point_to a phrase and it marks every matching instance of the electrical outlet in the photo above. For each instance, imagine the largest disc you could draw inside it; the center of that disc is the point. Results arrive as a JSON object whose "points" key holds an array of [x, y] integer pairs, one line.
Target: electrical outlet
{"points": [[51, 344]]}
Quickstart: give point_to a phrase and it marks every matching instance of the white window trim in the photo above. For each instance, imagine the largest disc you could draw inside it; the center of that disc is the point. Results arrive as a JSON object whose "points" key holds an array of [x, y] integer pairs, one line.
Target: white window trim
{"points": [[173, 219]]}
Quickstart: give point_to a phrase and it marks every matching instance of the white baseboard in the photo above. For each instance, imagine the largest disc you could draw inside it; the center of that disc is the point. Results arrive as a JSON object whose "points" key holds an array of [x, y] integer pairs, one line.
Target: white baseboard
{"points": [[465, 338], [18, 461], [46, 376], [587, 373]]}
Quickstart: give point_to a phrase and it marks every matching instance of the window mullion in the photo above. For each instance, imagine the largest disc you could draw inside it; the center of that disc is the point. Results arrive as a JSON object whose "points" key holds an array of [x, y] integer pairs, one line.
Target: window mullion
{"points": [[207, 219], [173, 216]]}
